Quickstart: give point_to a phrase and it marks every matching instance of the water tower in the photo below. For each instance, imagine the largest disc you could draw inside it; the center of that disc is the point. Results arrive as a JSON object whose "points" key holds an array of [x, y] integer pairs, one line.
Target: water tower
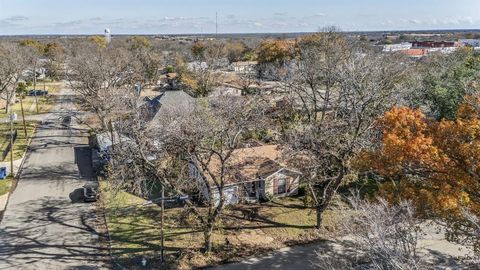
{"points": [[108, 36]]}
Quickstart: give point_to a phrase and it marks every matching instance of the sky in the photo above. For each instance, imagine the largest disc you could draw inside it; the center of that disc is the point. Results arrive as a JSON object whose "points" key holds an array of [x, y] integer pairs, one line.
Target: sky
{"points": [[21, 17]]}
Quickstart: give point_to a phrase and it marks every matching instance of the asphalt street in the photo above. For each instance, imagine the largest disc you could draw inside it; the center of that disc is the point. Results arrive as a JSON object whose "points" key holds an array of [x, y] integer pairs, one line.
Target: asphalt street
{"points": [[42, 227]]}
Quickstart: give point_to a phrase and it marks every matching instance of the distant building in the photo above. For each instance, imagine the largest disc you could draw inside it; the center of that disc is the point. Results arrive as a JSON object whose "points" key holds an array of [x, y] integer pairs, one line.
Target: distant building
{"points": [[226, 91], [397, 47], [108, 36], [416, 53], [475, 43], [435, 44], [421, 48], [244, 66], [197, 66]]}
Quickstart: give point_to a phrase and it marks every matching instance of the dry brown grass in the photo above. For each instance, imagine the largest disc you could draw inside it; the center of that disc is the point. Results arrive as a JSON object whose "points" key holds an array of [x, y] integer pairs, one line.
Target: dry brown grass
{"points": [[249, 229]]}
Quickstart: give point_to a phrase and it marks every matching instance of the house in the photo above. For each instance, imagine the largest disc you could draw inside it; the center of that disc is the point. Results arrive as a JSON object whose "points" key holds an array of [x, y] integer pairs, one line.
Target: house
{"points": [[153, 108], [226, 91], [104, 143], [197, 65], [243, 66], [252, 174], [150, 106]]}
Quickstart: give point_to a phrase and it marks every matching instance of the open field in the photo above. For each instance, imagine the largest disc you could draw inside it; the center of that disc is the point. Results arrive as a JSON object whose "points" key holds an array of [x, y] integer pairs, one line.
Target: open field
{"points": [[244, 230]]}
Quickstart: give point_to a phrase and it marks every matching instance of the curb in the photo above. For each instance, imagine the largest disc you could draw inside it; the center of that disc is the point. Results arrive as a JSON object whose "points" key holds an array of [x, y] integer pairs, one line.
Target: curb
{"points": [[17, 175]]}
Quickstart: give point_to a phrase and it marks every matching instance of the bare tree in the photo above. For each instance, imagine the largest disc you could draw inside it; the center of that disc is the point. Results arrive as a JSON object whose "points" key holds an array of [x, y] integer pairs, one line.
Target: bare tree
{"points": [[383, 237], [189, 150], [11, 68], [103, 77], [465, 231], [203, 74], [316, 71], [149, 60], [338, 109]]}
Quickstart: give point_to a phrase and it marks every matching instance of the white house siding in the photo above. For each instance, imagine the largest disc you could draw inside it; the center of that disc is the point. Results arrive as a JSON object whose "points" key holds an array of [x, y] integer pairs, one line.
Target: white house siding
{"points": [[231, 193]]}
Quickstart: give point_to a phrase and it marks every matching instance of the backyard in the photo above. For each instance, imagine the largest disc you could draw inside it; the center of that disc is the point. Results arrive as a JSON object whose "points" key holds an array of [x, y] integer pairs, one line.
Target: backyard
{"points": [[244, 230]]}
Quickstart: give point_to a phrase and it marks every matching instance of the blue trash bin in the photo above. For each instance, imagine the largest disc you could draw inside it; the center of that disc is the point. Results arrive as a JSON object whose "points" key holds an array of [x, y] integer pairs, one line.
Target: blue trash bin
{"points": [[3, 173]]}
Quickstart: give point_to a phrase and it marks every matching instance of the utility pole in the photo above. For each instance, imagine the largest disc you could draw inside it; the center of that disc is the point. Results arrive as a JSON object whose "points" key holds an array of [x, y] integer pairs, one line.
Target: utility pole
{"points": [[35, 84], [11, 142], [161, 223], [216, 23]]}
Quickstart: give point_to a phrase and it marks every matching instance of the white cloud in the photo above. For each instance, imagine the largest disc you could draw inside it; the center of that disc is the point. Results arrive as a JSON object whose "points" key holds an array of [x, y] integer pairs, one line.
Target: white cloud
{"points": [[415, 21]]}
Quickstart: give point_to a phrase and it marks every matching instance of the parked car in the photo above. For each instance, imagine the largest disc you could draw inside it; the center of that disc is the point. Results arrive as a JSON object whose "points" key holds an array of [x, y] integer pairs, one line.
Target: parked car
{"points": [[37, 92], [90, 192]]}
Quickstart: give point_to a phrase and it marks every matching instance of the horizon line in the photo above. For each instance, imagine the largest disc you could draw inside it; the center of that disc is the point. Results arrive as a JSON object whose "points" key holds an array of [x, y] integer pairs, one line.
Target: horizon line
{"points": [[243, 33]]}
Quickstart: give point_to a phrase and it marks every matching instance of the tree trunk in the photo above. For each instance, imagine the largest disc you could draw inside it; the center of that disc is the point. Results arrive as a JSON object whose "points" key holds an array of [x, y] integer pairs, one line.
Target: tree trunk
{"points": [[23, 116], [7, 103], [35, 86], [319, 218], [207, 234], [328, 193]]}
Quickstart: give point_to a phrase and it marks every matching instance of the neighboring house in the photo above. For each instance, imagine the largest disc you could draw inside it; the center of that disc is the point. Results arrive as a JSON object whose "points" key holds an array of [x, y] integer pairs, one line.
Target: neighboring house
{"points": [[150, 106], [104, 142], [252, 174], [28, 74], [177, 101], [244, 66], [226, 91], [197, 65]]}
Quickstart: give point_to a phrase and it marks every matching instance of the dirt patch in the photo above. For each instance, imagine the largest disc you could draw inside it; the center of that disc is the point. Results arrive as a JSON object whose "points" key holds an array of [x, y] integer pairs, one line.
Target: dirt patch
{"points": [[252, 237]]}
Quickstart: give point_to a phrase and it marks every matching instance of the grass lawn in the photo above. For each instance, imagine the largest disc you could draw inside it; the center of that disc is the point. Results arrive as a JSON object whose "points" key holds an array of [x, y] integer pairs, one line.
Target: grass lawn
{"points": [[44, 103], [20, 144], [250, 230], [5, 186], [29, 107]]}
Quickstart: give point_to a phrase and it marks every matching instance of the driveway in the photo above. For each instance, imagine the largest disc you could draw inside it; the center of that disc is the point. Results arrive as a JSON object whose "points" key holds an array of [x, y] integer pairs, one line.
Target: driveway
{"points": [[42, 228]]}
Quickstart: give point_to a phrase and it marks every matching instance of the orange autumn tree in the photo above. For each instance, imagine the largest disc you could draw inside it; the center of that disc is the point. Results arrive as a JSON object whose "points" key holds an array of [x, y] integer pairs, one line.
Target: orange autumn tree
{"points": [[434, 164]]}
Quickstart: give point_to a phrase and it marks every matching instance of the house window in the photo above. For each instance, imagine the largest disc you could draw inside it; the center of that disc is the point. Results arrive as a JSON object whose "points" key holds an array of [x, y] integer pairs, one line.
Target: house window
{"points": [[281, 185]]}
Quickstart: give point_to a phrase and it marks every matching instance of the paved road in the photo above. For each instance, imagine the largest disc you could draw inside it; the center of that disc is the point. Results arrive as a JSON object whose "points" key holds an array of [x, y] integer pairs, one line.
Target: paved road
{"points": [[42, 228]]}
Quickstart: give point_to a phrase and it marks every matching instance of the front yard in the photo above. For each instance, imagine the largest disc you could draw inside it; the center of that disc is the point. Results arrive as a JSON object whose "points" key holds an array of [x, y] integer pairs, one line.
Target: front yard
{"points": [[243, 231], [5, 186], [21, 143]]}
